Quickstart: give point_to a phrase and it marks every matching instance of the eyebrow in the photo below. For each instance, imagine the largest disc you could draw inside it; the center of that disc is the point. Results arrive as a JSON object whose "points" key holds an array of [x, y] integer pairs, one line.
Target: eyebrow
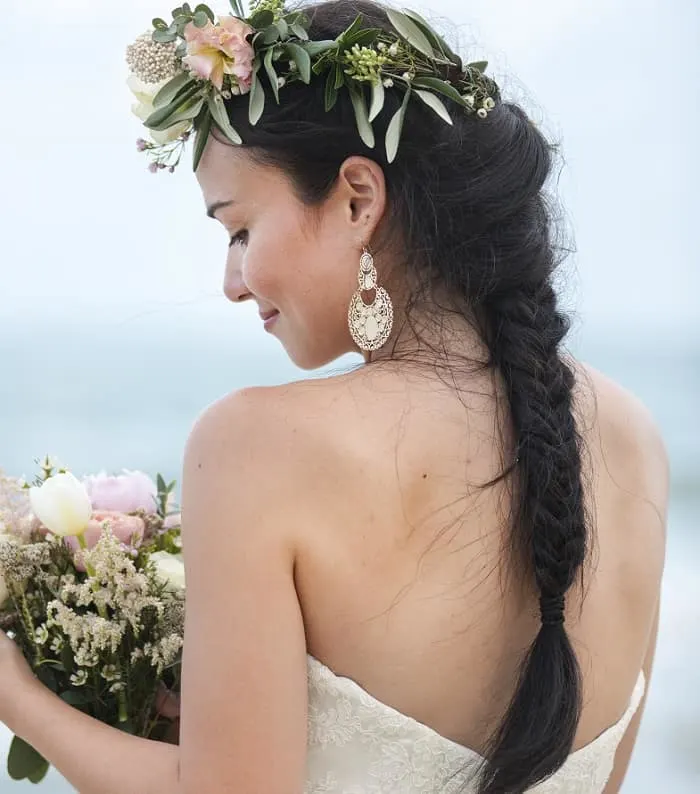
{"points": [[212, 209]]}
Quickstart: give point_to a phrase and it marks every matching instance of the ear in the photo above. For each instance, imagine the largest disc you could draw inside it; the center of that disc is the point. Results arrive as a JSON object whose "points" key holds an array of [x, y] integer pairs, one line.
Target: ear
{"points": [[361, 189]]}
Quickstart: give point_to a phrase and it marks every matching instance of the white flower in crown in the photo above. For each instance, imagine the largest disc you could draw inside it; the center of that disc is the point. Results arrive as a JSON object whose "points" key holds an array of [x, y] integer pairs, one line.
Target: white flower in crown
{"points": [[145, 93]]}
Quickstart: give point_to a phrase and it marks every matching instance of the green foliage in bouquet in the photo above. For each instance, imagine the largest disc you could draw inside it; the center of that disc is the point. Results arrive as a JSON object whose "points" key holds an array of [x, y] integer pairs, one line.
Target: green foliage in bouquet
{"points": [[102, 627]]}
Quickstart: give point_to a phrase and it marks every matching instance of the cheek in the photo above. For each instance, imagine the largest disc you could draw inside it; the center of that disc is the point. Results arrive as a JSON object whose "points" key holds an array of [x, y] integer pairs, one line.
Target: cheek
{"points": [[278, 259]]}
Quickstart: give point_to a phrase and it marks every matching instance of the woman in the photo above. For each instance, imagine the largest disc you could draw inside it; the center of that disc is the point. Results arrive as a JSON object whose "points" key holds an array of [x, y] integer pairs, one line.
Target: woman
{"points": [[452, 553]]}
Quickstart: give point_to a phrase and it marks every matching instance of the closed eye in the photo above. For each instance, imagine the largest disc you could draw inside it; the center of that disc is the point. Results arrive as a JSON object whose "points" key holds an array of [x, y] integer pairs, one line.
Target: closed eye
{"points": [[240, 238]]}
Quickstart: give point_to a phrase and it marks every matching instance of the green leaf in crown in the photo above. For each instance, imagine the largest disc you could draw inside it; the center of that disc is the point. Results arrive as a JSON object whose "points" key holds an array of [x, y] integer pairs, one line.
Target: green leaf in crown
{"points": [[184, 71]]}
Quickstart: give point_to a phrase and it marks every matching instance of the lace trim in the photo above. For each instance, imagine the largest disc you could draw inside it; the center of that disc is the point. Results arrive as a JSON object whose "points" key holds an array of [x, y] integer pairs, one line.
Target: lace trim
{"points": [[359, 745]]}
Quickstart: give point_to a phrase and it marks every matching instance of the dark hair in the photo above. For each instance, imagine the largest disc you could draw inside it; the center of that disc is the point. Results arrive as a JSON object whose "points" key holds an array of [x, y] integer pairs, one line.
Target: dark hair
{"points": [[468, 201]]}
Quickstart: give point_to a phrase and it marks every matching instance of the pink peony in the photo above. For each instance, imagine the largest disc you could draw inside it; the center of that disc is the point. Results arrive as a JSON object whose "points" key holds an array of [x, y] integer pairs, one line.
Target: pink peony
{"points": [[216, 50], [124, 493], [128, 529]]}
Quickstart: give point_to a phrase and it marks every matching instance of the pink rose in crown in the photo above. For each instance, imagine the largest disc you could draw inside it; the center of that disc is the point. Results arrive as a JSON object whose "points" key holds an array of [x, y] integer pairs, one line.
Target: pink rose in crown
{"points": [[128, 529], [216, 50], [125, 493]]}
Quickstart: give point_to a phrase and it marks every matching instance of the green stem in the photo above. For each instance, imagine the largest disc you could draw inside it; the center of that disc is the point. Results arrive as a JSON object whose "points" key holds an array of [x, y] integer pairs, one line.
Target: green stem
{"points": [[123, 710], [31, 631], [150, 723], [122, 694]]}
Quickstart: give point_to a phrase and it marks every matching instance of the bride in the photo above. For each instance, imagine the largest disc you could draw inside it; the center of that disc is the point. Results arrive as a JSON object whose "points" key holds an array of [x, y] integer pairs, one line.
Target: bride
{"points": [[438, 572]]}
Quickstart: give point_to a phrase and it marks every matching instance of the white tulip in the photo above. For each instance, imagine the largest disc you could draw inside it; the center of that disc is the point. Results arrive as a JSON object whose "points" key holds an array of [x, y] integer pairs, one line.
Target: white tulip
{"points": [[170, 569], [62, 504], [145, 93]]}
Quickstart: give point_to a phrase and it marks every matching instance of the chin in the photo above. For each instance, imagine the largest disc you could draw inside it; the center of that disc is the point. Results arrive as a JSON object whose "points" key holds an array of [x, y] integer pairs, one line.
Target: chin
{"points": [[310, 358]]}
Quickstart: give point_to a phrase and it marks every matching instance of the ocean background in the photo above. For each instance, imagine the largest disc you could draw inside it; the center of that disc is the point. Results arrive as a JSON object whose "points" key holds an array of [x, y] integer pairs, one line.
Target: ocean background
{"points": [[125, 392]]}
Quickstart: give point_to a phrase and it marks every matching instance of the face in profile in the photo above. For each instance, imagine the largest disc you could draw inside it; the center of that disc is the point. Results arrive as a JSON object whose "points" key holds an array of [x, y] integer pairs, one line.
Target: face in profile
{"points": [[298, 263]]}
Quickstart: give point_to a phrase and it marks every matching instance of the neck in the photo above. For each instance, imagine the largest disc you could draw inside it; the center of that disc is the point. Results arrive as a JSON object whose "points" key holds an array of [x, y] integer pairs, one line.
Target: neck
{"points": [[433, 336]]}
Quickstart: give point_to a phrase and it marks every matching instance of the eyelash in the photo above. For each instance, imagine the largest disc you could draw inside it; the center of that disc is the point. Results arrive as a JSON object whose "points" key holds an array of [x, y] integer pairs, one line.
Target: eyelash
{"points": [[240, 238]]}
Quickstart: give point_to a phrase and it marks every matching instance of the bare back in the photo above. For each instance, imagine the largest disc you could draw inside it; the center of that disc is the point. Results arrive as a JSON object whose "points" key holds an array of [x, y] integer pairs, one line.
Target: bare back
{"points": [[403, 574]]}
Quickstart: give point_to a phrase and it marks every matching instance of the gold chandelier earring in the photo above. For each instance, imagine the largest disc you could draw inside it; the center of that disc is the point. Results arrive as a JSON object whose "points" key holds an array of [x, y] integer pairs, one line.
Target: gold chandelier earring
{"points": [[370, 324]]}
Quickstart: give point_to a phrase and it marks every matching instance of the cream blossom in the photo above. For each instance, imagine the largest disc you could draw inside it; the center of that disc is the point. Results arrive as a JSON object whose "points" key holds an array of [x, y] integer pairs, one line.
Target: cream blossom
{"points": [[145, 93], [216, 50], [170, 569], [62, 505]]}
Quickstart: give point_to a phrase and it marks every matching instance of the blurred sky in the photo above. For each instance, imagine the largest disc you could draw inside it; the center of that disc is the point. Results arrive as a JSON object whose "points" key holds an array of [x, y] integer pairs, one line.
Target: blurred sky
{"points": [[87, 233]]}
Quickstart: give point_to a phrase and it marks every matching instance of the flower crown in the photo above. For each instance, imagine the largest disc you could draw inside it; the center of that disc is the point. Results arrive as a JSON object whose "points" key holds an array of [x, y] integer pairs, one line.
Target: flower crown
{"points": [[182, 72]]}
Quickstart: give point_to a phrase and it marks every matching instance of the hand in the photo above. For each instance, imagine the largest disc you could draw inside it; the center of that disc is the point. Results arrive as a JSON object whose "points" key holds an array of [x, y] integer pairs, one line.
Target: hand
{"points": [[15, 675], [168, 706], [167, 703]]}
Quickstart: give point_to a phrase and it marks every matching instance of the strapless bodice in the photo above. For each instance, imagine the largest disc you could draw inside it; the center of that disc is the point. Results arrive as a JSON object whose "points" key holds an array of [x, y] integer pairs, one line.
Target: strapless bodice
{"points": [[359, 745]]}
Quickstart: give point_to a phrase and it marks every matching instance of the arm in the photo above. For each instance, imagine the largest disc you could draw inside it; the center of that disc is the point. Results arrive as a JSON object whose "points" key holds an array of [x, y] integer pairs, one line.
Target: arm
{"points": [[244, 635], [624, 751], [650, 490], [93, 757]]}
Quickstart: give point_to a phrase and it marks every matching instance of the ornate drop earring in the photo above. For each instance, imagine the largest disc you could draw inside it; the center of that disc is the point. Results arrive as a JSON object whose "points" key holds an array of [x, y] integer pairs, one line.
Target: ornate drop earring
{"points": [[370, 325]]}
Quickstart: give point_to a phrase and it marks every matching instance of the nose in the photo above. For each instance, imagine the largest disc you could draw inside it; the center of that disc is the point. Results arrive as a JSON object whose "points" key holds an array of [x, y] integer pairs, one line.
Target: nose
{"points": [[234, 286]]}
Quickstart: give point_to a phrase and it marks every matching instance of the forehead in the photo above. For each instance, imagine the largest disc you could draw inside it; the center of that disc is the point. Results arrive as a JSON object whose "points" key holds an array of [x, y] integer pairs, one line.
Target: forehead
{"points": [[229, 173]]}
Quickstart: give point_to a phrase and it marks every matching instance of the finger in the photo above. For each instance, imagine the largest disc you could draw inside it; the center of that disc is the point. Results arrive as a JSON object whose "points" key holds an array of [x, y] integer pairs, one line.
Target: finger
{"points": [[167, 703], [172, 735]]}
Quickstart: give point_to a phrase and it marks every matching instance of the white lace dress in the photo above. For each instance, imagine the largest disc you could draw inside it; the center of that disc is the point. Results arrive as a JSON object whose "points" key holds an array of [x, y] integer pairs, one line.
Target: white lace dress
{"points": [[358, 745]]}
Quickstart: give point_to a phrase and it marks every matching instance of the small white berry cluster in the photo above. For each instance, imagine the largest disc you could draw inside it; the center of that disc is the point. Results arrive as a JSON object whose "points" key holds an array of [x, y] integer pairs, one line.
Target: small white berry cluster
{"points": [[152, 61], [487, 105]]}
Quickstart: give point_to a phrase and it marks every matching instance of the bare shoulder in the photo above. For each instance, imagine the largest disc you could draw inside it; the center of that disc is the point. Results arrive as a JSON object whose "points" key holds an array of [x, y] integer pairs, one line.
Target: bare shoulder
{"points": [[627, 470], [621, 428], [263, 410], [278, 431], [620, 412]]}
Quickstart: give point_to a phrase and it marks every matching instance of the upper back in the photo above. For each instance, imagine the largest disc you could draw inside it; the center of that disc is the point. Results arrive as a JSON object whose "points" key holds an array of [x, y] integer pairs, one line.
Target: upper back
{"points": [[403, 573]]}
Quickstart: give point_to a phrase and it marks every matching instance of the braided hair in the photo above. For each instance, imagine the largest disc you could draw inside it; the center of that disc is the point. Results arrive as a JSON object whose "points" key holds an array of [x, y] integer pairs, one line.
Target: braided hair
{"points": [[469, 204]]}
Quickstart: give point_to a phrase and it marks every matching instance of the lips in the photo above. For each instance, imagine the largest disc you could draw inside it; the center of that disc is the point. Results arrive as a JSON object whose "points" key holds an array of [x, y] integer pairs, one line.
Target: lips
{"points": [[264, 316]]}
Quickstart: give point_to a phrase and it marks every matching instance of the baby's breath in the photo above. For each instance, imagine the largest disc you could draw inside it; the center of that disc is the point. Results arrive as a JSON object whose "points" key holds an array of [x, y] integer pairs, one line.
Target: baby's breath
{"points": [[18, 563], [163, 653], [109, 628]]}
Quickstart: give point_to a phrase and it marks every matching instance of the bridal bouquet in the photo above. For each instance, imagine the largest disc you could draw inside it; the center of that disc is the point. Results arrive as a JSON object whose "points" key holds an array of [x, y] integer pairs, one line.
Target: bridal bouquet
{"points": [[92, 590]]}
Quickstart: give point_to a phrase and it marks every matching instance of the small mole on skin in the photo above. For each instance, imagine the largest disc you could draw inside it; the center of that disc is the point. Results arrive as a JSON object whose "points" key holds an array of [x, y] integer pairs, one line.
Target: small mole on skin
{"points": [[425, 476]]}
